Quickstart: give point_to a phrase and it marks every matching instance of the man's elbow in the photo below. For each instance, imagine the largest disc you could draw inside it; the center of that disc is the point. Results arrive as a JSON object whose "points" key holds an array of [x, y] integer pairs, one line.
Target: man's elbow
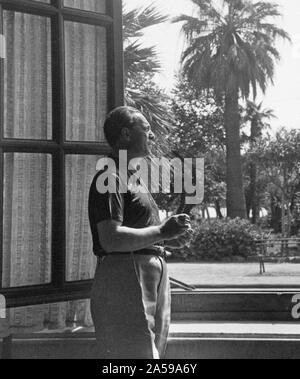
{"points": [[108, 245], [108, 237], [110, 242]]}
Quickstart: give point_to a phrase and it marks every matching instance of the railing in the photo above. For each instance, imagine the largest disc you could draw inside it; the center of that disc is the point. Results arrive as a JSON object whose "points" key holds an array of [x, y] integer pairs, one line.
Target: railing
{"points": [[181, 285], [276, 249]]}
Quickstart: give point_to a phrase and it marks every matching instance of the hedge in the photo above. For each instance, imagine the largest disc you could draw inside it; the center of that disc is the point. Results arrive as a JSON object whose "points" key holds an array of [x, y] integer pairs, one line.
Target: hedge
{"points": [[221, 240]]}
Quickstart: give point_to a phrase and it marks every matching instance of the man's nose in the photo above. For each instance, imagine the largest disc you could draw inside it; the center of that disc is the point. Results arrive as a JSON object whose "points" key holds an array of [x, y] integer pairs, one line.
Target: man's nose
{"points": [[151, 136]]}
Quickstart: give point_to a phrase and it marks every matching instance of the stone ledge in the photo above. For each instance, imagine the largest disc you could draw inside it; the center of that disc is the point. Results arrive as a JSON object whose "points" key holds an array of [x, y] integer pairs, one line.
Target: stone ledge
{"points": [[243, 330], [188, 330], [188, 340]]}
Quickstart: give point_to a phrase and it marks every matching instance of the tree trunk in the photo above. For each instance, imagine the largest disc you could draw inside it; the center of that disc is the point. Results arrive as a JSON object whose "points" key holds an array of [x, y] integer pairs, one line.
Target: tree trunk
{"points": [[218, 209], [275, 215], [289, 221], [236, 205], [253, 193], [283, 215], [208, 214], [253, 175], [248, 200], [183, 208], [286, 208]]}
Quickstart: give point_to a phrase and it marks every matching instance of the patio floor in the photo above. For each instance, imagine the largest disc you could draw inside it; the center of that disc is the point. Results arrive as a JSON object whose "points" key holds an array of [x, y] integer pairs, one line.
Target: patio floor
{"points": [[235, 274]]}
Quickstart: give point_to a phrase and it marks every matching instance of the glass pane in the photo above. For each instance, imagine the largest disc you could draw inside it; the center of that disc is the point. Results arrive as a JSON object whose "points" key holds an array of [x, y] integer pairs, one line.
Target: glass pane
{"points": [[49, 318], [86, 81], [27, 76], [27, 219], [80, 171], [87, 5]]}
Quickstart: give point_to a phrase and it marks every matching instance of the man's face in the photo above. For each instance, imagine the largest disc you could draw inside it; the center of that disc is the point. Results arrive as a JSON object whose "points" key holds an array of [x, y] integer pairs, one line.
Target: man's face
{"points": [[141, 138]]}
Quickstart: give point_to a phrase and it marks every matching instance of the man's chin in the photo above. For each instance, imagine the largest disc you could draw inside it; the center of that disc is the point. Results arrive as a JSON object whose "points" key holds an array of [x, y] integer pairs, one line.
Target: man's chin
{"points": [[150, 149], [146, 152]]}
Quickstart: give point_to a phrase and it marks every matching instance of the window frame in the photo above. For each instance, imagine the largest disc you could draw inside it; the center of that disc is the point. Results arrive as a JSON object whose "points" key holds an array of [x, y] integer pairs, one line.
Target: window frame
{"points": [[209, 303]]}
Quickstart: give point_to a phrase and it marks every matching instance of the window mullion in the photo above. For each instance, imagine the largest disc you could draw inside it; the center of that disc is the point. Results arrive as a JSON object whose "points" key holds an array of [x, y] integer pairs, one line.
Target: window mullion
{"points": [[1, 150], [86, 17], [28, 6], [57, 3], [115, 56], [1, 77], [58, 147], [58, 206], [2, 215]]}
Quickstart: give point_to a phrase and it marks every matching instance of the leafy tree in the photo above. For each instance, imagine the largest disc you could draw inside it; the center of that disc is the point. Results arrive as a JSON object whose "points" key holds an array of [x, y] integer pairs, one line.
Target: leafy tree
{"points": [[279, 158], [258, 118], [199, 132], [199, 120], [231, 50]]}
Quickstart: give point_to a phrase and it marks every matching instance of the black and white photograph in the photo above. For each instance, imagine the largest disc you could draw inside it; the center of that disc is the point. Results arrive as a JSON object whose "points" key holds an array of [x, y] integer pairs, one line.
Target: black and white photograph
{"points": [[149, 182]]}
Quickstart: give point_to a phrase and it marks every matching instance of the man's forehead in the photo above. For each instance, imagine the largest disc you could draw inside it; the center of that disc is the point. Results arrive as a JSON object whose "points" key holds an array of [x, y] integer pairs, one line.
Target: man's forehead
{"points": [[141, 120]]}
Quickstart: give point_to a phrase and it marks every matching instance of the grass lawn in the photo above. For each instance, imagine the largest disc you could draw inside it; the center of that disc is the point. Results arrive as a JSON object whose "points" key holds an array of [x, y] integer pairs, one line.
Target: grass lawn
{"points": [[235, 274]]}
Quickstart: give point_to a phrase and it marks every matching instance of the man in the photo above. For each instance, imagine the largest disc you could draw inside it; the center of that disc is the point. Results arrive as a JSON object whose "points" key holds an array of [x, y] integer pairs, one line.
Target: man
{"points": [[130, 300]]}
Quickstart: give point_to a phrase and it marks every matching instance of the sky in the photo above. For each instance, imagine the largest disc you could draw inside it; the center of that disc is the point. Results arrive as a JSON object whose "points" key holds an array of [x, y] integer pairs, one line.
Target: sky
{"points": [[283, 97]]}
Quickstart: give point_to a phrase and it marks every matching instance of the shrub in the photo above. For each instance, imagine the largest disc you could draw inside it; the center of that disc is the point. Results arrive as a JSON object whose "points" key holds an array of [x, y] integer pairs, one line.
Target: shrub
{"points": [[222, 240]]}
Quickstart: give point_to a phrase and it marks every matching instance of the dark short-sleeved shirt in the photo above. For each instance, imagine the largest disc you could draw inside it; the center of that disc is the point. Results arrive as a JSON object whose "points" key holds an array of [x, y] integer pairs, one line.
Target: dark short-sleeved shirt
{"points": [[133, 209]]}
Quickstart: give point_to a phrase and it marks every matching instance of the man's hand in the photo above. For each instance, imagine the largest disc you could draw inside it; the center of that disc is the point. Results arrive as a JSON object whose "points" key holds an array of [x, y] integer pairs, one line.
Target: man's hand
{"points": [[180, 242], [175, 227]]}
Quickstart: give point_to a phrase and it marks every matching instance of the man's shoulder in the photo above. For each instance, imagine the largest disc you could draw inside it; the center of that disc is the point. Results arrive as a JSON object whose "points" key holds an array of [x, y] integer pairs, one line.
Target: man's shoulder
{"points": [[109, 182]]}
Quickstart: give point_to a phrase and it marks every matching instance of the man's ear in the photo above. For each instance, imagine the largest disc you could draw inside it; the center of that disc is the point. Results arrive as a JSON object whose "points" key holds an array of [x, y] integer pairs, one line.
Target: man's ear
{"points": [[125, 135]]}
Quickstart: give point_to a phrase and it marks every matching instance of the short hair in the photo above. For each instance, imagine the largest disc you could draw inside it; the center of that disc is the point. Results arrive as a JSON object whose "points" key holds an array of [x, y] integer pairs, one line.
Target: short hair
{"points": [[118, 119]]}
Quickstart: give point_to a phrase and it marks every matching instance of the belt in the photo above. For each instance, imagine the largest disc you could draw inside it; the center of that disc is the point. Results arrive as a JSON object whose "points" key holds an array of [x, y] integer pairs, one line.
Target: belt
{"points": [[157, 251]]}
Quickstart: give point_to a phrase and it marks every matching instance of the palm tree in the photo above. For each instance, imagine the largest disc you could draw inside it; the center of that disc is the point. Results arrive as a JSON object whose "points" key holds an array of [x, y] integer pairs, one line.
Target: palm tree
{"points": [[231, 50], [140, 65], [258, 117]]}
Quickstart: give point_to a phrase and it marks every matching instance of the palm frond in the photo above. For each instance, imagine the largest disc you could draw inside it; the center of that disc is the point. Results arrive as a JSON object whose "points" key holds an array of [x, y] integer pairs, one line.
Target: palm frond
{"points": [[139, 19], [192, 26], [237, 51], [141, 63], [274, 31], [140, 59]]}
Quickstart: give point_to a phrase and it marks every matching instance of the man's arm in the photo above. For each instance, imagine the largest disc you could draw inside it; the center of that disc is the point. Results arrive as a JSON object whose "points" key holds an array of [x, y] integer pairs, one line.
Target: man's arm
{"points": [[117, 238], [180, 242]]}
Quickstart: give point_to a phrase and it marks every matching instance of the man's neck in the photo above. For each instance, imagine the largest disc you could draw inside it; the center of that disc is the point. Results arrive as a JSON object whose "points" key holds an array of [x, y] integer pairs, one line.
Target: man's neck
{"points": [[132, 160]]}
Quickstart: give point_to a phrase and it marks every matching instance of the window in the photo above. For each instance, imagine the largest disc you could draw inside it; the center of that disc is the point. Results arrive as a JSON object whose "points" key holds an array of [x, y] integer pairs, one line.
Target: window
{"points": [[61, 72]]}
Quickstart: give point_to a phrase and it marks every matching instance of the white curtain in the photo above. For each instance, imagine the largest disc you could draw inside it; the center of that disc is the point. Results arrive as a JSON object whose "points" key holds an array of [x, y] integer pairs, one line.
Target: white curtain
{"points": [[88, 5], [28, 177]]}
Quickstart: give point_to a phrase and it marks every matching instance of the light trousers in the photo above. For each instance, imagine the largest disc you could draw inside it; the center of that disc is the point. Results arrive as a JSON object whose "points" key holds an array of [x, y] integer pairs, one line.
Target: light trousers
{"points": [[130, 305]]}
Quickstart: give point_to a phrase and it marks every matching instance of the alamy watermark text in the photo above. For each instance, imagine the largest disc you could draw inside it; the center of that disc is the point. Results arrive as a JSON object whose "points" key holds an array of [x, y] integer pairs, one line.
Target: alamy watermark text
{"points": [[183, 176]]}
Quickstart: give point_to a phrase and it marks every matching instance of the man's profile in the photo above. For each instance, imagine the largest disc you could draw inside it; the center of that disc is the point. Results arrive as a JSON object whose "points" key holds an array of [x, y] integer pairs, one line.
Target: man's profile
{"points": [[130, 299]]}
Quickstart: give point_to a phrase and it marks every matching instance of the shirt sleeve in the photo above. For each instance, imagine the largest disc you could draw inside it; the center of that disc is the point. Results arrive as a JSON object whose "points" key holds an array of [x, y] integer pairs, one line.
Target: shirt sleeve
{"points": [[110, 206]]}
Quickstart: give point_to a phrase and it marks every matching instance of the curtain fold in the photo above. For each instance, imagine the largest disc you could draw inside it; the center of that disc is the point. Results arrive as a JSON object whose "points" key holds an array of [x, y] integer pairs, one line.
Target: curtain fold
{"points": [[88, 5]]}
